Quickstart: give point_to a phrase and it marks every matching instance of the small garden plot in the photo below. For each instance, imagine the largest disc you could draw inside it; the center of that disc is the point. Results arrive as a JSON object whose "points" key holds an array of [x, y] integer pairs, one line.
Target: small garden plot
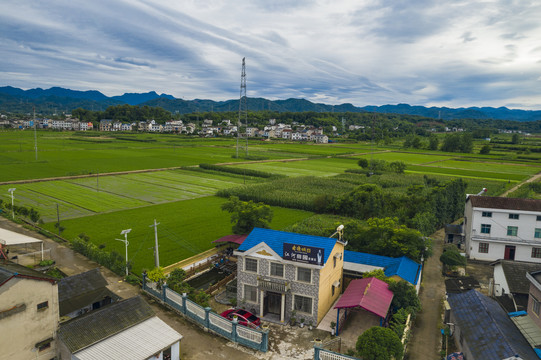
{"points": [[86, 198], [315, 167], [504, 168], [45, 205], [407, 158], [465, 173]]}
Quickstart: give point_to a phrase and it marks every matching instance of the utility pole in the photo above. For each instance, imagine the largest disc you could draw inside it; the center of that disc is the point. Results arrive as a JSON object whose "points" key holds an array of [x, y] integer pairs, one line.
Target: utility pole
{"points": [[243, 107], [156, 253], [35, 134], [58, 218], [12, 205]]}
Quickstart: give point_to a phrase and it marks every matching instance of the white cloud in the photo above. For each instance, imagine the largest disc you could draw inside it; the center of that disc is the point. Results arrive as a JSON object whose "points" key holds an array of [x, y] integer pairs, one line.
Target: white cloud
{"points": [[457, 53]]}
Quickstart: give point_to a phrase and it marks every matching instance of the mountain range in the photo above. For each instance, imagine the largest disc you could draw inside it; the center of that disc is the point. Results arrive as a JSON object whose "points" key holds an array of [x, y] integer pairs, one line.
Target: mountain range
{"points": [[57, 99]]}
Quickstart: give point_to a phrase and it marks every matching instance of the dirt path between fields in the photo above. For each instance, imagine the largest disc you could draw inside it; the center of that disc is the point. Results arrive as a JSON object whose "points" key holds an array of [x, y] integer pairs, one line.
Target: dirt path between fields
{"points": [[532, 179], [426, 338]]}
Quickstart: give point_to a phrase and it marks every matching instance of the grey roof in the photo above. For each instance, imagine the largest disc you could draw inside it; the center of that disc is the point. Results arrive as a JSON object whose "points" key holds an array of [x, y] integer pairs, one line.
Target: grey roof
{"points": [[487, 329], [78, 291], [515, 273], [9, 270], [453, 229], [504, 203], [95, 326]]}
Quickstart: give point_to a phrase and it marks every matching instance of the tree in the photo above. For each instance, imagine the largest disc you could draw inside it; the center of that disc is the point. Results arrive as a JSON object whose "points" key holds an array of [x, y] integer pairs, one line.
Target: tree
{"points": [[397, 166], [379, 343], [452, 257], [156, 275], [485, 150], [405, 296], [364, 201], [515, 139], [363, 163], [246, 214], [433, 142]]}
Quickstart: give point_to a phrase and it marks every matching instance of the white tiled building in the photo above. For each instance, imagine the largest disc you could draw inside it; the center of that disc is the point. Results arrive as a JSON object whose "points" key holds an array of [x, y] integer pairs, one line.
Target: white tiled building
{"points": [[502, 228]]}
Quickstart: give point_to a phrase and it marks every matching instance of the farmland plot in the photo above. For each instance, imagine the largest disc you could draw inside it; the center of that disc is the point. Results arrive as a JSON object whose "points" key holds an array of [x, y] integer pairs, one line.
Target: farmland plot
{"points": [[314, 167]]}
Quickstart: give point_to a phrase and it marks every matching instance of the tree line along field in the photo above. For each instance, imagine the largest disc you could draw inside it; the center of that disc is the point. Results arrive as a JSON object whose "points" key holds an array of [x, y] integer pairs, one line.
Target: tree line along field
{"points": [[182, 200]]}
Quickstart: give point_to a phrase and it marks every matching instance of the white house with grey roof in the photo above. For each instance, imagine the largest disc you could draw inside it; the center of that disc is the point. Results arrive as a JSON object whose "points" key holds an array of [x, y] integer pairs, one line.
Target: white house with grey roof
{"points": [[126, 330], [502, 228]]}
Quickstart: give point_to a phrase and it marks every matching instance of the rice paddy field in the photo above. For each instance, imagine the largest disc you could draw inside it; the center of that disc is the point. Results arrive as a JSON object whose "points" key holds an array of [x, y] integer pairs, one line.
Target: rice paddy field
{"points": [[182, 200]]}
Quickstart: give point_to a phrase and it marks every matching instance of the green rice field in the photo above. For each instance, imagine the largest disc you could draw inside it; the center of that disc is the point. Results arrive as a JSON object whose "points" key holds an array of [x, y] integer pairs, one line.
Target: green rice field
{"points": [[186, 229], [183, 200]]}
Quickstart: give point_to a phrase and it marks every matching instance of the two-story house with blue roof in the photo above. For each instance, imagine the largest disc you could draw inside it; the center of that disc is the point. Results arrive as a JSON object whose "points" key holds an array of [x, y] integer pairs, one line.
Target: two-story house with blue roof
{"points": [[281, 273]]}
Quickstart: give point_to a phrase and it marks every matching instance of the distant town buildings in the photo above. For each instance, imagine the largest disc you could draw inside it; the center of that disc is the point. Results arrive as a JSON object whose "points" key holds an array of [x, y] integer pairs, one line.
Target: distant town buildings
{"points": [[295, 131]]}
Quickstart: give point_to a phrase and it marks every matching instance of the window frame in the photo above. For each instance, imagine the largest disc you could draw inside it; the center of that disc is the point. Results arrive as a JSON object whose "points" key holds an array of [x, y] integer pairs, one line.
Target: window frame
{"points": [[245, 292], [537, 233], [486, 214], [536, 252], [295, 296], [485, 228], [297, 275], [246, 265], [283, 269], [43, 306], [538, 218], [514, 216], [483, 248], [512, 231]]}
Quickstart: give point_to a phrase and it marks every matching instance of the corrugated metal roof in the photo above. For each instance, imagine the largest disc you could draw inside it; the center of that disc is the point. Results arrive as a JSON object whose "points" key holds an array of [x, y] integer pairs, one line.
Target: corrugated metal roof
{"points": [[77, 291], [140, 341], [276, 239], [97, 325], [529, 329], [496, 202], [370, 294], [404, 267], [8, 237], [10, 270], [486, 328]]}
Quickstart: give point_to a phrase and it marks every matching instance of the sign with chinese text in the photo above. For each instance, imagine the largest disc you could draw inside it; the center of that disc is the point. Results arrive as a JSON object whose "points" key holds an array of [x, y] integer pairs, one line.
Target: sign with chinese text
{"points": [[304, 254]]}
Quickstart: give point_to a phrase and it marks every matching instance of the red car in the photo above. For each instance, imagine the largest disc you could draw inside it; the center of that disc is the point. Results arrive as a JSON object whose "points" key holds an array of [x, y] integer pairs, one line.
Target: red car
{"points": [[245, 318]]}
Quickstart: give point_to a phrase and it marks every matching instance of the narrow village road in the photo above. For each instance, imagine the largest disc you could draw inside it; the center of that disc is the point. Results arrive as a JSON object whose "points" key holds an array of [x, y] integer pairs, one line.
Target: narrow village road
{"points": [[426, 337]]}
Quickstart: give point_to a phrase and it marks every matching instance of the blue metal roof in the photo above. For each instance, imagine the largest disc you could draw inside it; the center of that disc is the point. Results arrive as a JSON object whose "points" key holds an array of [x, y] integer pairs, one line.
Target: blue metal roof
{"points": [[404, 267], [486, 328], [276, 239]]}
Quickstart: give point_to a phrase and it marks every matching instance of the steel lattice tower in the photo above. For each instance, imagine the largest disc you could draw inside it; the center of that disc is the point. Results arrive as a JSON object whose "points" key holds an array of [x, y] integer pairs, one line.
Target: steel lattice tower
{"points": [[243, 106]]}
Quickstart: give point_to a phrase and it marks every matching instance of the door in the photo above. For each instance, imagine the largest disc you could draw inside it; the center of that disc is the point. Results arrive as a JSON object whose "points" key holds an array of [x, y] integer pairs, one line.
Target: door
{"points": [[509, 252], [274, 303]]}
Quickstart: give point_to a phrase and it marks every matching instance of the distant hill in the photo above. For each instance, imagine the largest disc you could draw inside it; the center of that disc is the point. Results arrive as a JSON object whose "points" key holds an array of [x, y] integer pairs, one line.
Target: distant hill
{"points": [[59, 99]]}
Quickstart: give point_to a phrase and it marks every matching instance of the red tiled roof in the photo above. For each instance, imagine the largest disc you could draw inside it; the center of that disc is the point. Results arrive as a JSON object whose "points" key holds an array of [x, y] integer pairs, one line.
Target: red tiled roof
{"points": [[370, 294], [237, 239], [494, 202]]}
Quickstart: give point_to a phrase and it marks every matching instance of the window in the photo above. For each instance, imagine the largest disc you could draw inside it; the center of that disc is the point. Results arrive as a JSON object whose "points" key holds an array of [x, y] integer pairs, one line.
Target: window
{"points": [[304, 275], [43, 345], [250, 293], [536, 252], [538, 218], [277, 270], [44, 305], [334, 262], [513, 216], [487, 214], [483, 248], [537, 233], [512, 230], [485, 228], [250, 265], [535, 305], [302, 304], [332, 290]]}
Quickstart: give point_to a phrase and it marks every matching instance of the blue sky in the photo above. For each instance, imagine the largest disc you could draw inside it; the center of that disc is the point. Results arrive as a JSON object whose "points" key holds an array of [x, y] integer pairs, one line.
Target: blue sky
{"points": [[365, 52]]}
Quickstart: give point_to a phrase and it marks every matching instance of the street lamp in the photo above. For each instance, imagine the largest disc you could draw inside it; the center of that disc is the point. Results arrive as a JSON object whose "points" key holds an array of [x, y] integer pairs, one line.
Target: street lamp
{"points": [[12, 208], [340, 232], [125, 241]]}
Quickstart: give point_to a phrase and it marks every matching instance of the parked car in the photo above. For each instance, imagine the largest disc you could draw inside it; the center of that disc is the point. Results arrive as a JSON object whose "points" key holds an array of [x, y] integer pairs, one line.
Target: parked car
{"points": [[245, 318]]}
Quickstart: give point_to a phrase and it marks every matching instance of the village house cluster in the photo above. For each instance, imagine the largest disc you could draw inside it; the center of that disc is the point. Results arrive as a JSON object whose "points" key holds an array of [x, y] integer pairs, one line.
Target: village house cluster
{"points": [[294, 132]]}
